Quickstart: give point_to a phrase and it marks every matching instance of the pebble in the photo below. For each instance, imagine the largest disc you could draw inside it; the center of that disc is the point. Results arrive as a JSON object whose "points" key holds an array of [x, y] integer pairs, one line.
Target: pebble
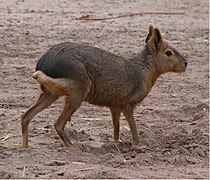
{"points": [[5, 175], [139, 149], [2, 115], [133, 154], [108, 156], [55, 163], [61, 174], [200, 152], [184, 150], [178, 160]]}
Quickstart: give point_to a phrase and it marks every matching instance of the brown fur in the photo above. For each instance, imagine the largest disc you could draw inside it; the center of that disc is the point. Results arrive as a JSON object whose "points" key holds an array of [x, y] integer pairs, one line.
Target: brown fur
{"points": [[86, 73]]}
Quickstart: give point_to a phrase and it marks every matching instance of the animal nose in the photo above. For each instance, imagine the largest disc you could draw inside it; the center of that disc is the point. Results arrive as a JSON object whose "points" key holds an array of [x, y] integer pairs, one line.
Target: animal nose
{"points": [[185, 63]]}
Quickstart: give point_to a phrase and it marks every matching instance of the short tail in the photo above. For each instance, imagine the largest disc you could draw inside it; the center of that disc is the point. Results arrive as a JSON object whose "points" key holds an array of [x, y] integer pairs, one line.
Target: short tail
{"points": [[57, 86]]}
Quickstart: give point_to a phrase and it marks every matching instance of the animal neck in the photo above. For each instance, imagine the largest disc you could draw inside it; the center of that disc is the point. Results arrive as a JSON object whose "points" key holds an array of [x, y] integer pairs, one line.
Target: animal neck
{"points": [[143, 74], [145, 63]]}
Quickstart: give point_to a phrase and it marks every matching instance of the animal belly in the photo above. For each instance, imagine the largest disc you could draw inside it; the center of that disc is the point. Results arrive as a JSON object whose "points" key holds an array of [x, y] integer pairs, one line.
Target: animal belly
{"points": [[104, 98]]}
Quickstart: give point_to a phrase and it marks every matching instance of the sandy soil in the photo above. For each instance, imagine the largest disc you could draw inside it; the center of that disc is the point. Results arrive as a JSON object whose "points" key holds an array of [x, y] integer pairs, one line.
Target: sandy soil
{"points": [[172, 121]]}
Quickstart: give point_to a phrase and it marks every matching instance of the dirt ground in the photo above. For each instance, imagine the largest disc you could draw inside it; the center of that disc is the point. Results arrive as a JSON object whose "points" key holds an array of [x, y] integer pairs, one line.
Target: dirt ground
{"points": [[172, 120]]}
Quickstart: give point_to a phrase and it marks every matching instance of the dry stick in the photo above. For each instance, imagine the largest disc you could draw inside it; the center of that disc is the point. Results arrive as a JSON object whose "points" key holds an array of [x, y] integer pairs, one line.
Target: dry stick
{"points": [[11, 105], [83, 169], [13, 145], [24, 171], [4, 138], [33, 52], [88, 17], [117, 148]]}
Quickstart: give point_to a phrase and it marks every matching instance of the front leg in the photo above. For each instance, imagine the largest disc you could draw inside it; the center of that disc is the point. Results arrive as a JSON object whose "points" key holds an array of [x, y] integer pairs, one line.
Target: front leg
{"points": [[115, 118], [128, 113]]}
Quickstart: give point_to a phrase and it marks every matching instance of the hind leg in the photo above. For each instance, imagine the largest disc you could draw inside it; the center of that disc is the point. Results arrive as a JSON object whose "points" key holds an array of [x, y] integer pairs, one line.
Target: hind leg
{"points": [[74, 97], [72, 103], [45, 99]]}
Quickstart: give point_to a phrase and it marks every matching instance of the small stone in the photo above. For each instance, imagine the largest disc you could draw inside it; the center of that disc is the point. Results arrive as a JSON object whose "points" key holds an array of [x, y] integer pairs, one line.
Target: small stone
{"points": [[90, 138], [83, 131], [133, 155], [2, 115], [200, 152], [139, 149], [108, 156], [180, 159], [183, 150], [191, 160], [55, 163], [5, 175], [61, 174]]}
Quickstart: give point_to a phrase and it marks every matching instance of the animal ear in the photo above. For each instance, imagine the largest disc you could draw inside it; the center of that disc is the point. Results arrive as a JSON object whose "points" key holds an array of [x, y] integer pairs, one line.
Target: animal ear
{"points": [[156, 40], [151, 30]]}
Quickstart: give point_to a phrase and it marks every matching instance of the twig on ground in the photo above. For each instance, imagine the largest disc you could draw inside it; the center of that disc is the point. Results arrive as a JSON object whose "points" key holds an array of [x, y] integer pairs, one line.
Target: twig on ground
{"points": [[4, 138], [83, 169], [127, 128], [33, 52], [92, 18], [117, 148], [11, 105], [24, 171], [13, 145]]}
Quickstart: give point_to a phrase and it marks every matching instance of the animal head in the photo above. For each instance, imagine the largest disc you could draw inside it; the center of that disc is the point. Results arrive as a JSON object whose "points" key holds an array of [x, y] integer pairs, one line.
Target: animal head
{"points": [[166, 58]]}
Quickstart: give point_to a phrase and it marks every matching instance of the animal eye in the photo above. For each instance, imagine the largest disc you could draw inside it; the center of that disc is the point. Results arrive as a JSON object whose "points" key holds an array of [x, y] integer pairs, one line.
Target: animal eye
{"points": [[168, 53]]}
